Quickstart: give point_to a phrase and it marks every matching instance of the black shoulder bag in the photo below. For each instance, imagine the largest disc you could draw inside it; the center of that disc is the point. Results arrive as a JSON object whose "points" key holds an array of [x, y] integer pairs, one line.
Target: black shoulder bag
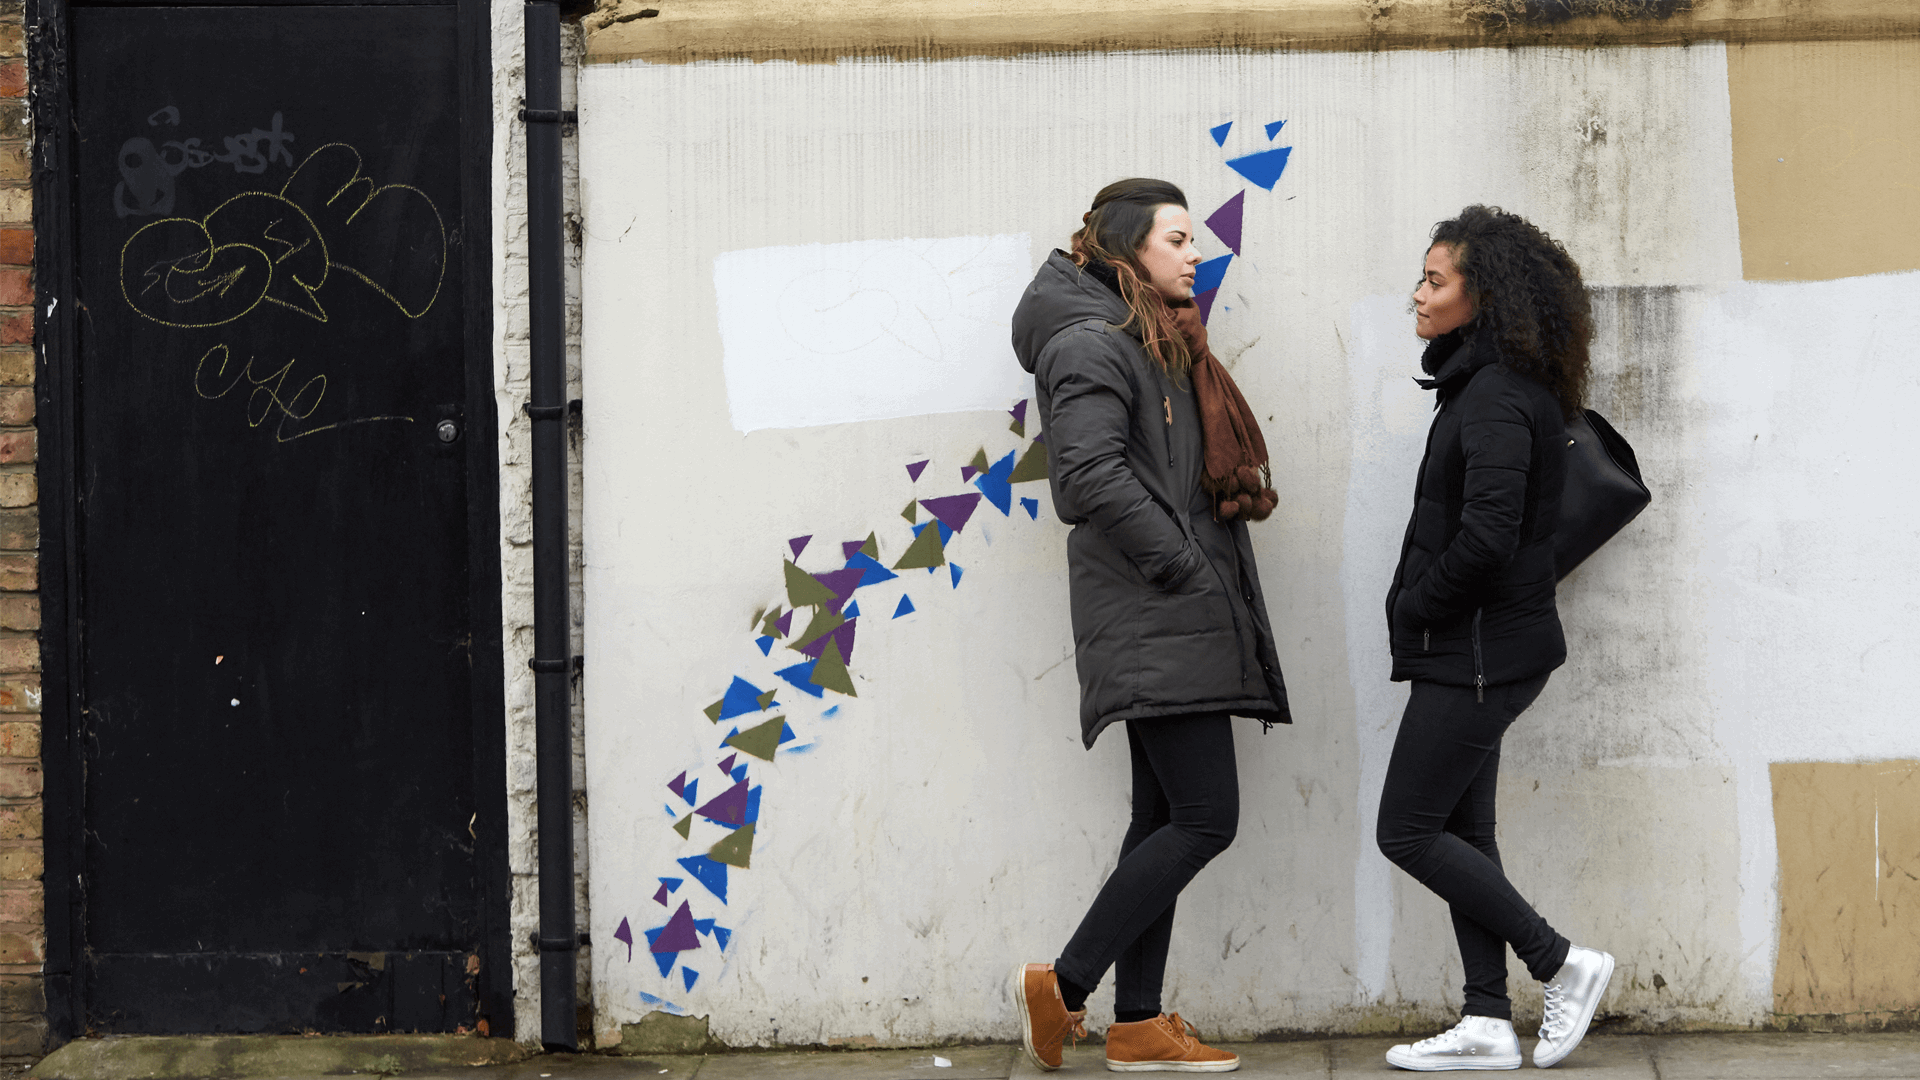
{"points": [[1603, 491]]}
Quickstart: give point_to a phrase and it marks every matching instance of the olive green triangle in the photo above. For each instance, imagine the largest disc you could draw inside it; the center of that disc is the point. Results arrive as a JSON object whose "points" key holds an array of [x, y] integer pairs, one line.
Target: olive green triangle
{"points": [[1032, 466], [824, 622], [830, 671], [871, 549], [767, 625], [912, 512], [713, 710], [979, 462], [766, 699], [736, 849], [1018, 427], [925, 550], [761, 739], [684, 826], [804, 589]]}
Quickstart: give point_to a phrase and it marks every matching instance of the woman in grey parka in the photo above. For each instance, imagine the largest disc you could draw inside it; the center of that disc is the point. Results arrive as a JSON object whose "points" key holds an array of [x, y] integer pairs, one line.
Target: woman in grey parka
{"points": [[1157, 463]]}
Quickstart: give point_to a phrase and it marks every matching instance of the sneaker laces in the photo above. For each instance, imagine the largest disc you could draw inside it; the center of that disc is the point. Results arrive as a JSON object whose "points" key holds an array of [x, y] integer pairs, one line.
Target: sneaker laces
{"points": [[1435, 1042], [1550, 1024], [1182, 1031], [1076, 1028]]}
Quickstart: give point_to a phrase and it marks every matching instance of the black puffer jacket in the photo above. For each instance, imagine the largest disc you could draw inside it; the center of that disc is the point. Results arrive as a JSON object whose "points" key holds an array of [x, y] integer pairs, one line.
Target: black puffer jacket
{"points": [[1472, 601], [1168, 617]]}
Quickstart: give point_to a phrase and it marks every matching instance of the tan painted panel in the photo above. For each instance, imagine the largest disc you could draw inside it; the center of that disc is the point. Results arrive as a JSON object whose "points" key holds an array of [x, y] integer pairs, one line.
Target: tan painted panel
{"points": [[682, 31], [1849, 842], [1826, 157]]}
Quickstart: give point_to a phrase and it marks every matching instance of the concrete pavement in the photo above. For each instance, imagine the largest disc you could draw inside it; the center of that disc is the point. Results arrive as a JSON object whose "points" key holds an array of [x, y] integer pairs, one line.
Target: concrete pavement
{"points": [[1744, 1056]]}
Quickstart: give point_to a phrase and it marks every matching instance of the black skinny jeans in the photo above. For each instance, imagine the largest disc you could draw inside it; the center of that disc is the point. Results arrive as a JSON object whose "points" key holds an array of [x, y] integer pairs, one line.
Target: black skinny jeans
{"points": [[1437, 824], [1186, 807]]}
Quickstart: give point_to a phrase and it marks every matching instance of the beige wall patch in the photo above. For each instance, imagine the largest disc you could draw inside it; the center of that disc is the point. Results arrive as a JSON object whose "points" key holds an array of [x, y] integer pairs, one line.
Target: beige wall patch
{"points": [[1826, 157], [1849, 841]]}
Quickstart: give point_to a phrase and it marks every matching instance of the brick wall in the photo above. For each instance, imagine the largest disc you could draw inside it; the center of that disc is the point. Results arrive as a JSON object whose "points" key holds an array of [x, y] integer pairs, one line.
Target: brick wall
{"points": [[23, 936]]}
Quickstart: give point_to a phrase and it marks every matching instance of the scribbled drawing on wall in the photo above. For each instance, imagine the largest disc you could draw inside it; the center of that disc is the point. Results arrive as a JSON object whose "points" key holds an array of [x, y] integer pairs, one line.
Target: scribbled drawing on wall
{"points": [[836, 333]]}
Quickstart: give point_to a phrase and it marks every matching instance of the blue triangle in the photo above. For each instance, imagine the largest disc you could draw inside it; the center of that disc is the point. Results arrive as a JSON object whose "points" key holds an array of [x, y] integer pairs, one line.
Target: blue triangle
{"points": [[955, 567], [1274, 129], [905, 607], [739, 773], [946, 534], [1220, 133], [1263, 168], [672, 883], [875, 573], [852, 610], [995, 486], [742, 697], [753, 806], [801, 675], [1208, 275], [786, 734], [704, 926], [691, 792], [690, 975], [721, 934], [709, 873], [663, 959], [1032, 507], [765, 643]]}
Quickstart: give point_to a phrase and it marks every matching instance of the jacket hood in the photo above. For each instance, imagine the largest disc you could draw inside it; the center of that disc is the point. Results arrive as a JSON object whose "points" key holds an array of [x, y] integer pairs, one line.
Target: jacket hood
{"points": [[1451, 355], [1061, 294]]}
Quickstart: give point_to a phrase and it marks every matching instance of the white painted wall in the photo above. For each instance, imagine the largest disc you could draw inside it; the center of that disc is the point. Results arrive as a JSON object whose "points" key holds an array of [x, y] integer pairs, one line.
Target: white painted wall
{"points": [[946, 825]]}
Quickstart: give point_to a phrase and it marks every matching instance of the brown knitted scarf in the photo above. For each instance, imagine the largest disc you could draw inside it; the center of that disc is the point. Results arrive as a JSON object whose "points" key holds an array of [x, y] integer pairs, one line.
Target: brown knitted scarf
{"points": [[1237, 474]]}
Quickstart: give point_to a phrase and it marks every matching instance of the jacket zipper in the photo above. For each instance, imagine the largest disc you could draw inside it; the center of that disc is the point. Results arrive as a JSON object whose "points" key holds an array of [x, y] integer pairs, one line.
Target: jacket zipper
{"points": [[1167, 404], [1479, 672], [1426, 640]]}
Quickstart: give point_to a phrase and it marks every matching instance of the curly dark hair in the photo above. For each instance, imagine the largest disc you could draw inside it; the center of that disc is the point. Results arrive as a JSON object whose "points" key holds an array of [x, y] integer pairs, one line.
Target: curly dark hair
{"points": [[1527, 296]]}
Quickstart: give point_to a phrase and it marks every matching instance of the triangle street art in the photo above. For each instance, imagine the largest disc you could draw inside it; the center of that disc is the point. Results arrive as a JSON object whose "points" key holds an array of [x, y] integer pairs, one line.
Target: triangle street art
{"points": [[805, 590], [684, 827], [1204, 301], [912, 512], [822, 624], [1033, 466], [729, 807], [1274, 129], [711, 874], [913, 470], [925, 551], [624, 935], [735, 849], [759, 740], [801, 675], [830, 671], [1225, 222], [1208, 275], [953, 511], [1220, 133], [799, 544], [1263, 168], [905, 607], [678, 935]]}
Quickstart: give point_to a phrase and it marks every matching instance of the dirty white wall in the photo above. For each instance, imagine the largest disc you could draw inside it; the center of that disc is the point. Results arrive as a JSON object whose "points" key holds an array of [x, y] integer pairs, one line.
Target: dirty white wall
{"points": [[913, 845], [511, 391]]}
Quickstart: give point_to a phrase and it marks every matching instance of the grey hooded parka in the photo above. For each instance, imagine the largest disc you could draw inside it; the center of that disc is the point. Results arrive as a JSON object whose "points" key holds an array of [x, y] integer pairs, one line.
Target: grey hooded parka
{"points": [[1168, 616]]}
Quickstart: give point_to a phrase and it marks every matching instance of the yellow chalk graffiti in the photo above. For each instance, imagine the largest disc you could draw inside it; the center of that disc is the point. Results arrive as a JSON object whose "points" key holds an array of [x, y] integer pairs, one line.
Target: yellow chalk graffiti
{"points": [[268, 396]]}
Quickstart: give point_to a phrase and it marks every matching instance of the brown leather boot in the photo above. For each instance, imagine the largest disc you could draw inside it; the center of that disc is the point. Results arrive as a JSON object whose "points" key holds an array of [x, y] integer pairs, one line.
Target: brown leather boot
{"points": [[1045, 1022], [1165, 1043]]}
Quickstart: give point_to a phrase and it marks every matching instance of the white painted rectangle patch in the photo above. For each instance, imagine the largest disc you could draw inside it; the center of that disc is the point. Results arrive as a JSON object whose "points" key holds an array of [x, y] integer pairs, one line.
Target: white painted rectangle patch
{"points": [[833, 333]]}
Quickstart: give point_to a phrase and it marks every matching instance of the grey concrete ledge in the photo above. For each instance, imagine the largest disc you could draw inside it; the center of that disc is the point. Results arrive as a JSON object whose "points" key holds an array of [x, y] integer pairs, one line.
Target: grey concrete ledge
{"points": [[227, 1057]]}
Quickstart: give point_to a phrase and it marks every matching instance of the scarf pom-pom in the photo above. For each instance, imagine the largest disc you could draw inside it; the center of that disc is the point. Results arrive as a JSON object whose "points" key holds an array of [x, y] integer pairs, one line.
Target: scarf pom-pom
{"points": [[1264, 503], [1229, 509], [1249, 478], [1246, 505]]}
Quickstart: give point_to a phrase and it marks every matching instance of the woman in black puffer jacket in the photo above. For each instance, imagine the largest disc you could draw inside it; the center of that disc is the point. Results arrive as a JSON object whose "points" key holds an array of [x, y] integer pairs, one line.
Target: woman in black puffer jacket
{"points": [[1472, 618]]}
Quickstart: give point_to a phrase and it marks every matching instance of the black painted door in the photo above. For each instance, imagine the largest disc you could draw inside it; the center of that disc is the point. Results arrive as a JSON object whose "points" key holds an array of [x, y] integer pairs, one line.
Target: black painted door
{"points": [[270, 454]]}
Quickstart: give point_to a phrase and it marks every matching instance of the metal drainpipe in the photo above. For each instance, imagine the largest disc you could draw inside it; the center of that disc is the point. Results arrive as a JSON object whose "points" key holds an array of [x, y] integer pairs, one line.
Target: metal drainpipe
{"points": [[552, 623]]}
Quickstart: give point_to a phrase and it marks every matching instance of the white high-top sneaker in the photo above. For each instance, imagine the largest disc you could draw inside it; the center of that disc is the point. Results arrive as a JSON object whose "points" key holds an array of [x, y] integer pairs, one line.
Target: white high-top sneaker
{"points": [[1476, 1042], [1573, 994]]}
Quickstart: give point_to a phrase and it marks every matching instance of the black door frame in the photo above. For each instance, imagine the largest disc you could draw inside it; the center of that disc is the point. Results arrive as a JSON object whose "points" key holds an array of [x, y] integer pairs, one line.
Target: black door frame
{"points": [[61, 577]]}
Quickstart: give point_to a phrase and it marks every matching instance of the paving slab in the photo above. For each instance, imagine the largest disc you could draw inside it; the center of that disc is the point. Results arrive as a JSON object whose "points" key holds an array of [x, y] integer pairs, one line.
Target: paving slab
{"points": [[220, 1057], [580, 1067], [963, 1063], [1258, 1061], [1788, 1056], [1599, 1057]]}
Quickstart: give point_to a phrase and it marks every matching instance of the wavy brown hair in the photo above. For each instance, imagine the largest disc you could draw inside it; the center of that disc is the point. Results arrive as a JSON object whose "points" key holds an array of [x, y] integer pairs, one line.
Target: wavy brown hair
{"points": [[1527, 295], [1114, 230]]}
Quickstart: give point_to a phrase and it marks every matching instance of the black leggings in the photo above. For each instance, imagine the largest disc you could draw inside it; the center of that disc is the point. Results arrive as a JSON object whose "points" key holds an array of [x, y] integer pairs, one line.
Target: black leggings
{"points": [[1186, 806], [1437, 824]]}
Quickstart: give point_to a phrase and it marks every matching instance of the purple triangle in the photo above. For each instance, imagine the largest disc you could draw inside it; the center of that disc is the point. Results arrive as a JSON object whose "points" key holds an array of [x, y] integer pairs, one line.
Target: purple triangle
{"points": [[966, 473], [784, 624], [678, 935], [913, 470], [625, 932], [726, 766], [1204, 301], [729, 807], [842, 582], [842, 636], [953, 510], [1019, 412], [679, 784], [799, 544], [1225, 222], [661, 896], [850, 548]]}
